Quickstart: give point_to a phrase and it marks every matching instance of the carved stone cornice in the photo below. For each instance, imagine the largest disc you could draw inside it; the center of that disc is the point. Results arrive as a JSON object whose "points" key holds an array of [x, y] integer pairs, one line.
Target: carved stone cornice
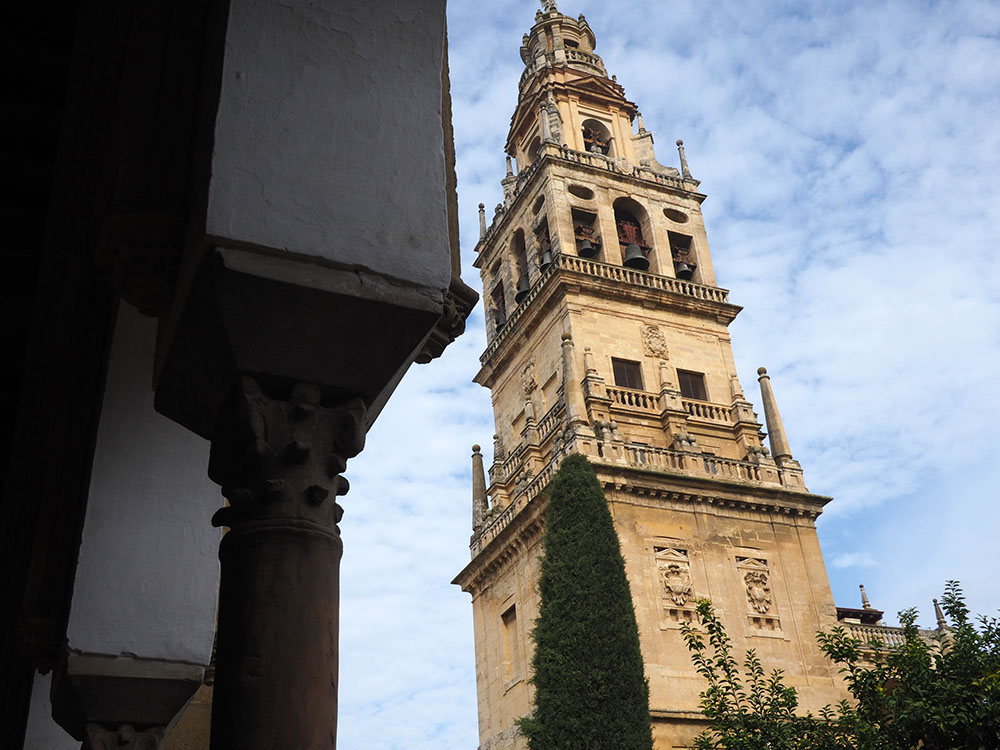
{"points": [[279, 454], [124, 737]]}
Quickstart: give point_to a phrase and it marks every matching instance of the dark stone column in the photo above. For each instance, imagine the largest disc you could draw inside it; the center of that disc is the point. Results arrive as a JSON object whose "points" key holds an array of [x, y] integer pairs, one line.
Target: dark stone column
{"points": [[279, 456]]}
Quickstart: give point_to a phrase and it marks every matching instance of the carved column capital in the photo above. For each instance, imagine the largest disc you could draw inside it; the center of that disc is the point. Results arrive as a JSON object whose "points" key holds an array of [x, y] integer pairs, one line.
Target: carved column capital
{"points": [[124, 737], [280, 452]]}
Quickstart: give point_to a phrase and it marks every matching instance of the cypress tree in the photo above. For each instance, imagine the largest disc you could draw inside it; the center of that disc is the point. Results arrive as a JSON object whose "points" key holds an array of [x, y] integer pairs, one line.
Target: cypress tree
{"points": [[590, 689]]}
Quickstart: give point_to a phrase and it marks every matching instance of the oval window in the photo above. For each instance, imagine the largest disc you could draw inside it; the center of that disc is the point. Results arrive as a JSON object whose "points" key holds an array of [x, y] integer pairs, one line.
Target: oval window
{"points": [[581, 192], [678, 217], [538, 204]]}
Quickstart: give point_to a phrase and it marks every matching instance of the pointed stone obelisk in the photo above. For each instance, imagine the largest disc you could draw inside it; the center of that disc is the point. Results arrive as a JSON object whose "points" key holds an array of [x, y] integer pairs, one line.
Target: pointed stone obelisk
{"points": [[775, 429], [479, 506]]}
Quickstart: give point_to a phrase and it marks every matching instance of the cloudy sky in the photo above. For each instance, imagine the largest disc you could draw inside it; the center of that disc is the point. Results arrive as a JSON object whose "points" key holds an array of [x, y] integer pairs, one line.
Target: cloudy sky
{"points": [[851, 155]]}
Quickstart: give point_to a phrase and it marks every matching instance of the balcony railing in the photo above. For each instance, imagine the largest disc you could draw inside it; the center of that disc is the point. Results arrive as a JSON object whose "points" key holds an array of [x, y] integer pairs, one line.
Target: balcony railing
{"points": [[890, 637], [693, 464], [706, 410], [620, 274], [633, 399]]}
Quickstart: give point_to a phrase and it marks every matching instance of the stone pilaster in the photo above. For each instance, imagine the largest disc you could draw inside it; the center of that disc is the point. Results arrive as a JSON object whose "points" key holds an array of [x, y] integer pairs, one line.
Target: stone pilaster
{"points": [[279, 458]]}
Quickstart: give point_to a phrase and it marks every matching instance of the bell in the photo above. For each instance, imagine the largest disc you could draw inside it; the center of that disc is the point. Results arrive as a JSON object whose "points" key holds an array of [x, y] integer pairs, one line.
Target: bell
{"points": [[546, 261], [635, 258], [501, 319], [522, 291], [683, 271], [587, 249]]}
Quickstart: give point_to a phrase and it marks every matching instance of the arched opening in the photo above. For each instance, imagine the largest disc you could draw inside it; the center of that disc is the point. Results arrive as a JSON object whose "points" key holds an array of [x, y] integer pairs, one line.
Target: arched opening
{"points": [[596, 137], [519, 255], [634, 234], [536, 143]]}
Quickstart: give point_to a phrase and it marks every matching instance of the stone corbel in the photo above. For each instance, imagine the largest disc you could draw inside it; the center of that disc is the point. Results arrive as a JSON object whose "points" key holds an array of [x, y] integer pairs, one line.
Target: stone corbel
{"points": [[459, 302]]}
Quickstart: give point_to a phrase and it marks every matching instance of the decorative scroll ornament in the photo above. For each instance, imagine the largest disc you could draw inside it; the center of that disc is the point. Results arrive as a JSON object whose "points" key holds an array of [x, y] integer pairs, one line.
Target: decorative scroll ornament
{"points": [[758, 591], [654, 342], [528, 382]]}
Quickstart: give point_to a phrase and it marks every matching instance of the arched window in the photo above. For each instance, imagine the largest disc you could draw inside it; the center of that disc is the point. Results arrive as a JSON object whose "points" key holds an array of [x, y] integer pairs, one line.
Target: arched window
{"points": [[519, 255], [596, 137]]}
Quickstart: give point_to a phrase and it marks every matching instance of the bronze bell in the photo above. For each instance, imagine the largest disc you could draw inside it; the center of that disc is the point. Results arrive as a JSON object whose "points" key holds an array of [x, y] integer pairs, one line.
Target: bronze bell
{"points": [[522, 291], [500, 318], [545, 261], [635, 258], [683, 271], [587, 249]]}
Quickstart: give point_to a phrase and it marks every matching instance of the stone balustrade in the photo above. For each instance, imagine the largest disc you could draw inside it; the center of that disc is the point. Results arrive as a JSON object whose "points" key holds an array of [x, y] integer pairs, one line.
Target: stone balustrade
{"points": [[890, 637], [633, 399], [552, 419], [695, 464], [706, 410], [620, 274]]}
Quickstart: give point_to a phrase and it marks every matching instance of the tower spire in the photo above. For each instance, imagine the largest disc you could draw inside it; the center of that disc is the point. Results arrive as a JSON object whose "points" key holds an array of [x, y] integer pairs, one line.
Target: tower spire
{"points": [[775, 429], [942, 623], [685, 172], [479, 507]]}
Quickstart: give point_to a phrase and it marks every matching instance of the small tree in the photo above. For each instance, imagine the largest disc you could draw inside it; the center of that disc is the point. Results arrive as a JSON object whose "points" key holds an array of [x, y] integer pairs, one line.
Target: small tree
{"points": [[938, 694], [590, 689], [750, 711]]}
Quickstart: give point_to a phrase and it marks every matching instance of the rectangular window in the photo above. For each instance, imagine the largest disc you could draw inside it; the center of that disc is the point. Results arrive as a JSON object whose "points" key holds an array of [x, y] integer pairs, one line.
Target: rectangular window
{"points": [[628, 374], [511, 646], [692, 385]]}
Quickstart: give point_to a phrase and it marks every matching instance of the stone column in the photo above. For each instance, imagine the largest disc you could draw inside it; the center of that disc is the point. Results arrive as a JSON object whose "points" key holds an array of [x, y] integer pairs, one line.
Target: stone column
{"points": [[279, 457]]}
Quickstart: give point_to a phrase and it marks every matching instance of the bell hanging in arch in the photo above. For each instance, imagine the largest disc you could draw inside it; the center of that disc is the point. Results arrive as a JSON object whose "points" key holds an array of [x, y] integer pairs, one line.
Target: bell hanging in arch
{"points": [[635, 258], [545, 261], [587, 249], [683, 271], [522, 290]]}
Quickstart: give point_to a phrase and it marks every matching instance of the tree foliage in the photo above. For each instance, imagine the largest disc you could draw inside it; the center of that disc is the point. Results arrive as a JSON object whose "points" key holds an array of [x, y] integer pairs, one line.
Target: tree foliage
{"points": [[933, 693], [939, 694], [749, 710], [590, 689]]}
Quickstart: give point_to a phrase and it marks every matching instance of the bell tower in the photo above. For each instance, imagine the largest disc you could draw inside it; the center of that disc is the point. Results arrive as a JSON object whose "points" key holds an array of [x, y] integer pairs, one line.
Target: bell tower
{"points": [[607, 335]]}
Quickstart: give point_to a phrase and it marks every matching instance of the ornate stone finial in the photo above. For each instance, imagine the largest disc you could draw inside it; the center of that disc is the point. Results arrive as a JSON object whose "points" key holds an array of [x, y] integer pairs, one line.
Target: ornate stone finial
{"points": [[942, 623], [685, 172], [510, 168], [865, 604], [641, 124], [588, 360], [775, 428], [735, 388], [567, 336], [549, 6], [614, 78], [482, 220], [479, 503]]}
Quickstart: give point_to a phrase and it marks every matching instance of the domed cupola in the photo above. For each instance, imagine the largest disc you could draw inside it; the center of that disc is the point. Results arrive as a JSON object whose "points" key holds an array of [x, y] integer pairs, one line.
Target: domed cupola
{"points": [[559, 41]]}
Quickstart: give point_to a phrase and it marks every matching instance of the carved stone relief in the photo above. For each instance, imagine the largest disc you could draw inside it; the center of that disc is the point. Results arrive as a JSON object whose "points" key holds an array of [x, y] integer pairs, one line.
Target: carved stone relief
{"points": [[756, 576], [675, 574], [528, 382], [654, 342]]}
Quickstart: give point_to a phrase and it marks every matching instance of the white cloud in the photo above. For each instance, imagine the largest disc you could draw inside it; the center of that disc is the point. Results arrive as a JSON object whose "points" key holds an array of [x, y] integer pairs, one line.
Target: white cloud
{"points": [[850, 154]]}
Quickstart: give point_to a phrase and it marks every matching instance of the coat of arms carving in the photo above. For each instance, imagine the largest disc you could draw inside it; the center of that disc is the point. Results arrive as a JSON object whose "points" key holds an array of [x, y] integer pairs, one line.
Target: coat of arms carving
{"points": [[528, 382], [654, 342], [758, 590], [676, 583], [675, 574]]}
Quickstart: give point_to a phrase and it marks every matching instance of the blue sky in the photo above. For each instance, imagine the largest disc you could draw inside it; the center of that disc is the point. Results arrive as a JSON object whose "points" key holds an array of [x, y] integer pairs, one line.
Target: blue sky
{"points": [[850, 155]]}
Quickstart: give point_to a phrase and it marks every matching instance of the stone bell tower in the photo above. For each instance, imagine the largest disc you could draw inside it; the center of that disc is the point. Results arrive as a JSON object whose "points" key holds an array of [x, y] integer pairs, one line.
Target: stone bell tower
{"points": [[607, 335]]}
